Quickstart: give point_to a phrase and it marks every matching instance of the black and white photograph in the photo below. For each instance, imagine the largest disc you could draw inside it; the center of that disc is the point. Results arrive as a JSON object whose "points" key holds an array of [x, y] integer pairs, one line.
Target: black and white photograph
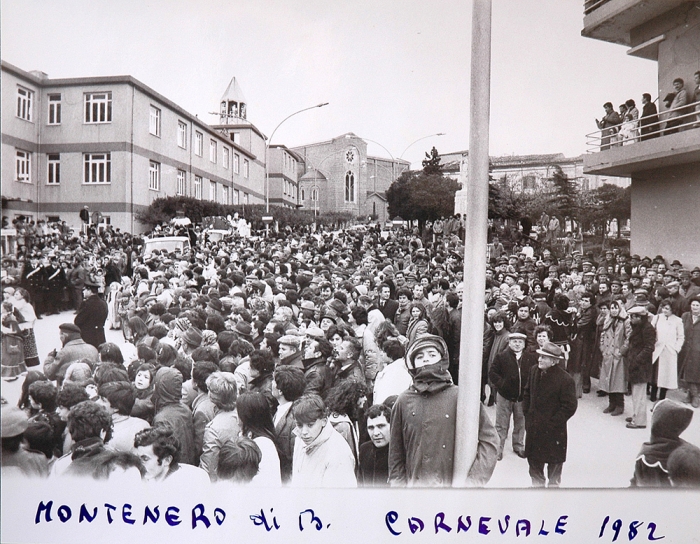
{"points": [[321, 271]]}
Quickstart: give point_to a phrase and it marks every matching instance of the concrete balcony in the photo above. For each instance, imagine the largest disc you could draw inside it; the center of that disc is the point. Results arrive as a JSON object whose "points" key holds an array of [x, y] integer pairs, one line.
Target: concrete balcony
{"points": [[613, 20], [670, 150]]}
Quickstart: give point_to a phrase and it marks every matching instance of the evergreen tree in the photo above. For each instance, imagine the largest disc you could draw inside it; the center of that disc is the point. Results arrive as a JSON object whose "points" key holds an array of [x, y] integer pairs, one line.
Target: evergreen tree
{"points": [[431, 163]]}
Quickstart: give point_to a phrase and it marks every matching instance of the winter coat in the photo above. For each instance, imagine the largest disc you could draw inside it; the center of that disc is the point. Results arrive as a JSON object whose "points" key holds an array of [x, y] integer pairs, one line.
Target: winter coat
{"points": [[548, 403], [689, 357], [669, 341], [641, 347], [91, 319], [284, 432], [223, 427], [374, 465], [73, 350], [166, 398], [509, 375], [327, 462], [613, 341], [421, 449]]}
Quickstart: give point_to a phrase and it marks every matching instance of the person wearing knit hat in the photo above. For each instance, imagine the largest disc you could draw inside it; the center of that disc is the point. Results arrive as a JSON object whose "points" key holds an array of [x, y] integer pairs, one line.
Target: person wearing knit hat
{"points": [[668, 421], [289, 347], [549, 401], [421, 448]]}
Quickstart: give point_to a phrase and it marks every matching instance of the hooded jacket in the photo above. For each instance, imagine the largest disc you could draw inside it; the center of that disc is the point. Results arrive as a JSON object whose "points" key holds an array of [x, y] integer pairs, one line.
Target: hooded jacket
{"points": [[166, 399], [668, 421]]}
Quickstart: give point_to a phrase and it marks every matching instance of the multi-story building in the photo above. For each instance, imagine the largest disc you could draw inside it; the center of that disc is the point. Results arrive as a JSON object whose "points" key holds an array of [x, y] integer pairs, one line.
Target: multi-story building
{"points": [[663, 160], [114, 144], [338, 175], [524, 173]]}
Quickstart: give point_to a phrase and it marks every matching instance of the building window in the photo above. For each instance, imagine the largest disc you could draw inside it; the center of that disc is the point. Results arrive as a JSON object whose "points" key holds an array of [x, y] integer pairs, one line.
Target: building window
{"points": [[236, 137], [98, 107], [23, 166], [154, 175], [236, 163], [54, 109], [227, 157], [198, 143], [246, 168], [246, 198], [529, 182], [314, 195], [303, 195], [198, 187], [25, 97], [212, 191], [181, 176], [181, 135], [236, 197], [53, 176], [349, 187], [98, 168], [154, 121], [224, 195], [212, 151]]}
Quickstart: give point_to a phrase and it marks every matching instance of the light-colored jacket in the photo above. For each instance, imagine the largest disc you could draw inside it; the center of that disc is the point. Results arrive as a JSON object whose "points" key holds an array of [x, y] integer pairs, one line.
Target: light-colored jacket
{"points": [[224, 426], [327, 462]]}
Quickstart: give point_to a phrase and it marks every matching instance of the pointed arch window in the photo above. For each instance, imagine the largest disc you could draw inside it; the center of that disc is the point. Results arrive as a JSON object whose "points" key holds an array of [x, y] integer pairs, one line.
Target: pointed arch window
{"points": [[349, 187]]}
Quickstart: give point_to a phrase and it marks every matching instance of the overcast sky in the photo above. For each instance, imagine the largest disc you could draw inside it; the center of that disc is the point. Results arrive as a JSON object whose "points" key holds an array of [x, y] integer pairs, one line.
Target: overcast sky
{"points": [[392, 71]]}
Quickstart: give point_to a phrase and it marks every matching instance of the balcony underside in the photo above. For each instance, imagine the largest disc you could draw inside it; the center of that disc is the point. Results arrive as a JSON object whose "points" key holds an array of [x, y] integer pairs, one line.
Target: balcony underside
{"points": [[671, 150], [613, 21]]}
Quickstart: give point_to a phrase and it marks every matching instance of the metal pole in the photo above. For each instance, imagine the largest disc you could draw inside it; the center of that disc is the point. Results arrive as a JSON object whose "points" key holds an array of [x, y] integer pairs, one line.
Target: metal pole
{"points": [[468, 400]]}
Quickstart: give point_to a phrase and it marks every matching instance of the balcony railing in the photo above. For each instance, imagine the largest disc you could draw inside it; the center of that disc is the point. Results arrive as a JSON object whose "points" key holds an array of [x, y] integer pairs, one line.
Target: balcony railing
{"points": [[670, 122], [592, 5]]}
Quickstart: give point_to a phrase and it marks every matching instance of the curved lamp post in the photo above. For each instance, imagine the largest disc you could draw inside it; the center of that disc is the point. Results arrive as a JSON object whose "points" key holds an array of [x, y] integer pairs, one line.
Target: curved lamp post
{"points": [[418, 140], [267, 150]]}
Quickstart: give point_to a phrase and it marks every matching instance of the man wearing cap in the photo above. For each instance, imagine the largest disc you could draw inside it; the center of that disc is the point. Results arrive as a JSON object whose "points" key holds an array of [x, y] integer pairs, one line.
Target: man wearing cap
{"points": [[549, 401], [290, 353], [421, 449], [639, 363], [74, 349], [92, 315], [687, 288], [16, 460], [509, 373]]}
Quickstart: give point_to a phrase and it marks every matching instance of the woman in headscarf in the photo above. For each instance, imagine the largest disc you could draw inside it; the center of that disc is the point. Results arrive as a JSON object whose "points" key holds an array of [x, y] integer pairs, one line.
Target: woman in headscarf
{"points": [[168, 409], [613, 377]]}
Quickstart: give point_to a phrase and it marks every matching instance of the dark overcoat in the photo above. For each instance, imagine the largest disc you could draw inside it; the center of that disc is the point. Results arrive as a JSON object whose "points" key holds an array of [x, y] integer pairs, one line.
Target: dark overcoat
{"points": [[91, 319], [548, 403], [641, 349]]}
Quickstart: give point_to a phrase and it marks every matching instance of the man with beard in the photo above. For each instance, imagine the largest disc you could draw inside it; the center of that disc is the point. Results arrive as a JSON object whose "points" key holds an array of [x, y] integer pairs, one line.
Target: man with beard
{"points": [[421, 449]]}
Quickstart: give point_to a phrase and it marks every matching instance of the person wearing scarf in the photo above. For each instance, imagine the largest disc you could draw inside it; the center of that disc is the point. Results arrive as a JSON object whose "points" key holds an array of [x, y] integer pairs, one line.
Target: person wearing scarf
{"points": [[168, 408], [668, 421], [421, 448]]}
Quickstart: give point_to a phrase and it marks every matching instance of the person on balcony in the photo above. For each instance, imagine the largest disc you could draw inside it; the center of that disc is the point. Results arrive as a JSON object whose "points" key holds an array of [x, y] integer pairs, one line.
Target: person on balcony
{"points": [[629, 132], [608, 125], [649, 122], [677, 115]]}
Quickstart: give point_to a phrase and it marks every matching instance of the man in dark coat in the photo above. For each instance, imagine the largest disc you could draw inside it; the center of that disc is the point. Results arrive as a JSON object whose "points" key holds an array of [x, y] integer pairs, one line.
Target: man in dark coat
{"points": [[639, 359], [584, 344], [55, 285], [649, 119], [386, 304], [374, 454], [509, 373], [549, 401], [91, 316], [287, 386]]}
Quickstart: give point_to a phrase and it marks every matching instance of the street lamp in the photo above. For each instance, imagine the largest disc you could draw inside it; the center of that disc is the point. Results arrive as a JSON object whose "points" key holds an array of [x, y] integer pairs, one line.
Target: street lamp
{"points": [[267, 151], [418, 140]]}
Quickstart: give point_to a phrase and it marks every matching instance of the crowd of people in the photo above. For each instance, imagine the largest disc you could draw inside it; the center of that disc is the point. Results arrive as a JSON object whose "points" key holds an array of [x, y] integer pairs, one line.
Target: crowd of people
{"points": [[331, 358], [627, 126]]}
